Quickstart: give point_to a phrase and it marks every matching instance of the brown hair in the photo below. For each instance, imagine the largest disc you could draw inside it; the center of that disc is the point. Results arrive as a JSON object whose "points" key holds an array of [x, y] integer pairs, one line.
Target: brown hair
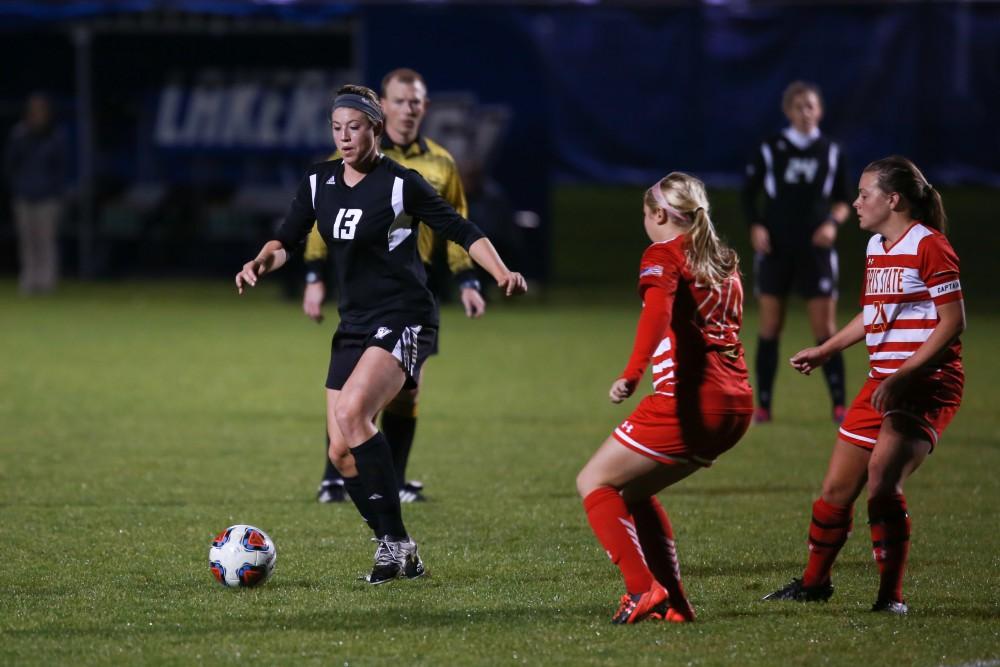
{"points": [[375, 114], [796, 88], [403, 75], [363, 91], [711, 260], [898, 174]]}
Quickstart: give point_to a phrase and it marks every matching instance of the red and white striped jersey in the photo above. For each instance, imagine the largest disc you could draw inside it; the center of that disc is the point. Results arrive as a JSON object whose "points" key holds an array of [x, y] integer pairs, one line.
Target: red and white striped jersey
{"points": [[904, 285], [701, 319]]}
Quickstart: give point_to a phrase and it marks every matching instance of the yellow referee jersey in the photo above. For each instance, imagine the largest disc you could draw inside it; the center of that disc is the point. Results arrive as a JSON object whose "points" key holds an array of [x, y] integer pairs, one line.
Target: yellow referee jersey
{"points": [[438, 168]]}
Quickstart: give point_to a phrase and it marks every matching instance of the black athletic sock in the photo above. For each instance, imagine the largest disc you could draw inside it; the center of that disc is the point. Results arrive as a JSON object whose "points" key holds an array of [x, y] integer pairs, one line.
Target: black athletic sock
{"points": [[833, 370], [375, 469], [399, 431], [330, 473], [767, 368], [356, 490]]}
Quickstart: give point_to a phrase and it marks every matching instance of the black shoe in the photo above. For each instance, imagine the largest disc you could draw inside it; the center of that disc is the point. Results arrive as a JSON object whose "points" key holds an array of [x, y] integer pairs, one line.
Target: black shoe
{"points": [[412, 492], [799, 593], [395, 559], [413, 567], [891, 607], [331, 491]]}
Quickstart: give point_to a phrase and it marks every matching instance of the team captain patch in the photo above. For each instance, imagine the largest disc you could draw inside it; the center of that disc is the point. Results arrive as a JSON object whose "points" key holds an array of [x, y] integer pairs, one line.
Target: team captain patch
{"points": [[651, 271], [947, 288]]}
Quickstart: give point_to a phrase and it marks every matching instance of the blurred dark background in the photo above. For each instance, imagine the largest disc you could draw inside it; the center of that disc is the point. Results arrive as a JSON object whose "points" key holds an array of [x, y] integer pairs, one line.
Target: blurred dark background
{"points": [[190, 123]]}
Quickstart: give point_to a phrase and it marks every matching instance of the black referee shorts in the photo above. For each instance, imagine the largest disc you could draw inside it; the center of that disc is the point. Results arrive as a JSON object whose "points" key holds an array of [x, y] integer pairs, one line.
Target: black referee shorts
{"points": [[409, 344], [810, 271]]}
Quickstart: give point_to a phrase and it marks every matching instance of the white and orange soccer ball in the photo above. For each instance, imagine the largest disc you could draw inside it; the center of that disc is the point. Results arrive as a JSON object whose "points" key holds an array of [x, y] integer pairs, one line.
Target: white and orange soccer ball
{"points": [[242, 556]]}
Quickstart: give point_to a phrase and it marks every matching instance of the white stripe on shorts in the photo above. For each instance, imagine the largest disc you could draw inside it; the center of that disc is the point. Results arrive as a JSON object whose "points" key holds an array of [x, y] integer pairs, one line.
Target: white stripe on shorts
{"points": [[664, 458], [856, 436], [406, 350]]}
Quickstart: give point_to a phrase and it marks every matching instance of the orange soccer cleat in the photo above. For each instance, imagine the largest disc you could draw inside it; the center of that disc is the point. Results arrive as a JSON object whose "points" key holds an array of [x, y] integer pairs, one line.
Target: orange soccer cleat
{"points": [[640, 606]]}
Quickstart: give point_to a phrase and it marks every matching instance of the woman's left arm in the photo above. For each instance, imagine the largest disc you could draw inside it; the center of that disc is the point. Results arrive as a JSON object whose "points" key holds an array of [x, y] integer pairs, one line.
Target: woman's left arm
{"points": [[950, 325]]}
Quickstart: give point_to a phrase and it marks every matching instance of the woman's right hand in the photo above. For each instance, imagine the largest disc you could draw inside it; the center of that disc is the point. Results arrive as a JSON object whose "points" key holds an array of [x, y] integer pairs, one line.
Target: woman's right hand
{"points": [[809, 359], [620, 390]]}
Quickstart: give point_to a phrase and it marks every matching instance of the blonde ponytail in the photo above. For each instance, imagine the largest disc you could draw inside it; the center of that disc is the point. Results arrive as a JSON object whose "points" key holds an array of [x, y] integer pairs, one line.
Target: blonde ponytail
{"points": [[711, 260]]}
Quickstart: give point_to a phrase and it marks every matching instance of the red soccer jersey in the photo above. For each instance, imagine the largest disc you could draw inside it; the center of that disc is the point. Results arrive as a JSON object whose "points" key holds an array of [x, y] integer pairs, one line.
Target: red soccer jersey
{"points": [[904, 284], [696, 354]]}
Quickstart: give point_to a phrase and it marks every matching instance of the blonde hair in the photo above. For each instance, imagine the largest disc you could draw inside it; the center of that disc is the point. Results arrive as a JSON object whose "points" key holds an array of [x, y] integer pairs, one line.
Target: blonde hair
{"points": [[403, 75], [686, 203]]}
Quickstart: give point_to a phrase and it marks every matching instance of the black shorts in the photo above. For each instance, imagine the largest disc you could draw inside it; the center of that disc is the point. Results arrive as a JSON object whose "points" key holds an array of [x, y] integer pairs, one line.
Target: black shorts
{"points": [[810, 271], [410, 345]]}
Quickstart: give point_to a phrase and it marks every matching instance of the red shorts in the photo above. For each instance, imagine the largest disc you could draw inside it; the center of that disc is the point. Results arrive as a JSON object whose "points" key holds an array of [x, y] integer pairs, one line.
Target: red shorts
{"points": [[655, 429], [930, 403]]}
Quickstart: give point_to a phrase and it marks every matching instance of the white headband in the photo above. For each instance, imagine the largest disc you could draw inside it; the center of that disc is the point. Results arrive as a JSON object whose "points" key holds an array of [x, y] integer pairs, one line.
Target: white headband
{"points": [[662, 202]]}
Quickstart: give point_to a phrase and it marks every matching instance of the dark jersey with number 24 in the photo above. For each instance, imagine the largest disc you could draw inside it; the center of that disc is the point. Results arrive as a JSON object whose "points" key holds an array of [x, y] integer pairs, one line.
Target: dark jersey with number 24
{"points": [[801, 183], [371, 231]]}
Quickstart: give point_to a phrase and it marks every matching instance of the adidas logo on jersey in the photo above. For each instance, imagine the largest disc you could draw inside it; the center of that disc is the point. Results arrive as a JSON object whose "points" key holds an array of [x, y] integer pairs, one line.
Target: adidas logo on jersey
{"points": [[382, 332], [332, 180], [375, 496]]}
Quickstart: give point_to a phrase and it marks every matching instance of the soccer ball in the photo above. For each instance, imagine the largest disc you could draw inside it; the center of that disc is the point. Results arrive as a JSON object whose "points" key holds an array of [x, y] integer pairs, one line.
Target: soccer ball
{"points": [[242, 555]]}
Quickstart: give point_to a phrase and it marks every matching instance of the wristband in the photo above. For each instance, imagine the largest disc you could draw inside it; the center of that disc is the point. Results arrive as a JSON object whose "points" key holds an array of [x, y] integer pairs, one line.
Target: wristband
{"points": [[471, 284]]}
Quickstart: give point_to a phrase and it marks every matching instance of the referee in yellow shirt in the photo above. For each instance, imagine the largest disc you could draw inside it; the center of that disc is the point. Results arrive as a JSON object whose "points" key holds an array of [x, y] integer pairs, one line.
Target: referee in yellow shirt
{"points": [[404, 101]]}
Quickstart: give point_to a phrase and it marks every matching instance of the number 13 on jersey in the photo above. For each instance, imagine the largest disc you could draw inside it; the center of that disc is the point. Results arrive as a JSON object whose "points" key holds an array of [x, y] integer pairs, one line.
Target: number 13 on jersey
{"points": [[346, 223]]}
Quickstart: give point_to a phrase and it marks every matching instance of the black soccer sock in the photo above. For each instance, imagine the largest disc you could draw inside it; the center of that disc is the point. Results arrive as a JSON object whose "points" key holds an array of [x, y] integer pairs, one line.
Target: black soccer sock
{"points": [[767, 368], [833, 370], [330, 473], [356, 490], [375, 469], [399, 430]]}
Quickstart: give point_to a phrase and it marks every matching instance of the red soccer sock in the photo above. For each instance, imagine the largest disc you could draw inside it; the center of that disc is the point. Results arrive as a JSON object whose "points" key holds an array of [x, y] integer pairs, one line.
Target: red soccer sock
{"points": [[890, 526], [657, 539], [828, 531], [615, 530]]}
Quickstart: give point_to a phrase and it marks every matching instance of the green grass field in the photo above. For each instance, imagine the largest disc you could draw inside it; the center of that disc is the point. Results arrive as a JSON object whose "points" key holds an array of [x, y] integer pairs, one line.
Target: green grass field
{"points": [[140, 419]]}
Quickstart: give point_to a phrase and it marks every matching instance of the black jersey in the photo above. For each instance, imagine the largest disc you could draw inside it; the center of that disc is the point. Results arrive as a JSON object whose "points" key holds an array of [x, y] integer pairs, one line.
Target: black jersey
{"points": [[371, 232], [800, 184]]}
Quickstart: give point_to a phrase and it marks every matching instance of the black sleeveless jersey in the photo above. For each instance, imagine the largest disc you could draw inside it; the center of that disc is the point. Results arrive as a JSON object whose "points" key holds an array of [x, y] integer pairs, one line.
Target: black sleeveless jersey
{"points": [[799, 184], [371, 232]]}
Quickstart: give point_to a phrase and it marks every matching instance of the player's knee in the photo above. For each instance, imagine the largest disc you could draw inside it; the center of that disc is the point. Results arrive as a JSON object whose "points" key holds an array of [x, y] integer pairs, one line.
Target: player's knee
{"points": [[342, 460], [588, 480], [769, 330], [881, 482], [404, 404], [839, 492], [349, 415]]}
